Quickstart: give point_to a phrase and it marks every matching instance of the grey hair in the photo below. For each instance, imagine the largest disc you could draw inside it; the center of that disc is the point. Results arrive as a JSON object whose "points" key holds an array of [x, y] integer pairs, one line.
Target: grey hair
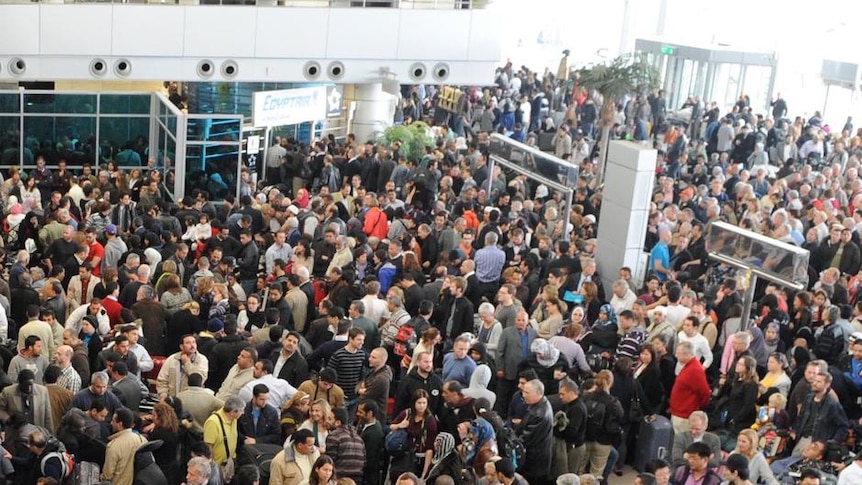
{"points": [[396, 300], [359, 305], [133, 259], [686, 348], [201, 465], [699, 416], [743, 336], [491, 239], [536, 386], [148, 292], [833, 313], [101, 376], [234, 403], [486, 309]]}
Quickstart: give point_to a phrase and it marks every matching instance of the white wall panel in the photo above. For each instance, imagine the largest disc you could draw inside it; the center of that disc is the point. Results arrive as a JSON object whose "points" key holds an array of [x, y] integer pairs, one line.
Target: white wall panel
{"points": [[19, 30], [485, 34], [362, 33], [291, 32], [220, 31], [148, 30], [268, 43], [90, 33], [419, 40]]}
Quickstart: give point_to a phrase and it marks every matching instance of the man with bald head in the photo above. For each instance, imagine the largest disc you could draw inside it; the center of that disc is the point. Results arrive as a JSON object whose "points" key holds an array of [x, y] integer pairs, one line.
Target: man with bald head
{"points": [[69, 377], [375, 386]]}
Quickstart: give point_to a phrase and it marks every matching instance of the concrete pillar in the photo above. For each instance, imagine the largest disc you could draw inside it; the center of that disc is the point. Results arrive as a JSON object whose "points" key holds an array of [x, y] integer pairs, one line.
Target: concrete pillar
{"points": [[374, 110], [625, 210]]}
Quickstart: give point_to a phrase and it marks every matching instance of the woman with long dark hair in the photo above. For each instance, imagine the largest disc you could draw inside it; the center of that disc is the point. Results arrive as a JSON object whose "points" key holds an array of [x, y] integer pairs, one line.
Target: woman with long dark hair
{"points": [[739, 397], [421, 427], [648, 375], [165, 426]]}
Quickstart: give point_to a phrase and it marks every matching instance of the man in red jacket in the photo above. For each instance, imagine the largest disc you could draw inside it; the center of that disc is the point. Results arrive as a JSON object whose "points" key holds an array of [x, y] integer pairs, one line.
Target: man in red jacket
{"points": [[690, 391]]}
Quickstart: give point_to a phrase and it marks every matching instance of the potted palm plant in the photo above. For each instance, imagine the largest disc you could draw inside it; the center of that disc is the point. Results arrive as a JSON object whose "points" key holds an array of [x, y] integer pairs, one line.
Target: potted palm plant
{"points": [[614, 80]]}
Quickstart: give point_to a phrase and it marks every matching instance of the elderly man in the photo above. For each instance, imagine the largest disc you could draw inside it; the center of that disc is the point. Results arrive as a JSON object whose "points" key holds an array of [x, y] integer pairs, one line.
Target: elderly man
{"points": [[535, 431], [690, 391], [512, 348], [697, 425], [198, 471], [69, 377], [221, 430]]}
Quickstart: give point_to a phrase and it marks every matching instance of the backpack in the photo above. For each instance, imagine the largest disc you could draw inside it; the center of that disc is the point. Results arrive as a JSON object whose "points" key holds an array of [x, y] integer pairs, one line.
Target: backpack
{"points": [[511, 446], [599, 420], [405, 340], [67, 464], [397, 442]]}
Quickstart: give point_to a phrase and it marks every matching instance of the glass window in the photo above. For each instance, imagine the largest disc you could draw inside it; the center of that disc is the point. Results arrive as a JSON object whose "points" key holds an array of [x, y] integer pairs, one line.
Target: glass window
{"points": [[125, 104], [60, 103], [73, 137], [10, 103], [209, 129], [115, 132], [211, 167], [10, 144]]}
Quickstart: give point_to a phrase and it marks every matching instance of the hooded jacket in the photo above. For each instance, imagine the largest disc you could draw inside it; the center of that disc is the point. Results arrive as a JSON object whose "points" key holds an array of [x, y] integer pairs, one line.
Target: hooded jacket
{"points": [[479, 385], [433, 385]]}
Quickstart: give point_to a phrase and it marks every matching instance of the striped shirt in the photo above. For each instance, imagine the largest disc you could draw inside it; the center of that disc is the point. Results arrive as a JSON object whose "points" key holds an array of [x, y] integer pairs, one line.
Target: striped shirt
{"points": [[348, 367], [347, 450], [489, 264]]}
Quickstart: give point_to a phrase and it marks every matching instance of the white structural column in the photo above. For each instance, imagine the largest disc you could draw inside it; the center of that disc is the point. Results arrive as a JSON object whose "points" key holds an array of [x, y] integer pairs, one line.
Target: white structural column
{"points": [[374, 110], [629, 180]]}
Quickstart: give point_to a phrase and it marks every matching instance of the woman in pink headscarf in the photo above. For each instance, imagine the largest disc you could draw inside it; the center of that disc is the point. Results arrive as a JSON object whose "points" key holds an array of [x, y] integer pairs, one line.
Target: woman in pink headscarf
{"points": [[301, 199]]}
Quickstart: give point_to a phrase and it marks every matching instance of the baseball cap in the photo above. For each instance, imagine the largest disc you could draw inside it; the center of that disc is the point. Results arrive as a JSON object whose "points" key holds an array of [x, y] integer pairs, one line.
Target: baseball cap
{"points": [[229, 260], [111, 229]]}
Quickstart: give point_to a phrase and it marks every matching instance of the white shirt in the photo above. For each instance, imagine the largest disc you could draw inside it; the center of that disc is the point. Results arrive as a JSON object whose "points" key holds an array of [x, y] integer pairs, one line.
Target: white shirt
{"points": [[283, 252], [675, 314], [279, 390], [375, 308], [701, 349], [852, 475], [624, 303]]}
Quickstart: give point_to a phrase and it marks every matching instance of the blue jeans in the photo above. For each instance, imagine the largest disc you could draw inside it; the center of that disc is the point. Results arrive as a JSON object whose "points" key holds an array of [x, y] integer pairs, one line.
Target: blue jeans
{"points": [[247, 286], [612, 461]]}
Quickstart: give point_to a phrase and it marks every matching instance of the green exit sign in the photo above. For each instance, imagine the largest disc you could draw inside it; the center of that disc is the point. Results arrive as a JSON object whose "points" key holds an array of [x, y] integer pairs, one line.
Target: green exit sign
{"points": [[667, 50]]}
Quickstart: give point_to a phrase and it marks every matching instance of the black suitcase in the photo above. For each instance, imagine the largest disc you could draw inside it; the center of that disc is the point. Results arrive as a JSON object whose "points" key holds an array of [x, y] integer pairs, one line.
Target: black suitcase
{"points": [[655, 440], [261, 455]]}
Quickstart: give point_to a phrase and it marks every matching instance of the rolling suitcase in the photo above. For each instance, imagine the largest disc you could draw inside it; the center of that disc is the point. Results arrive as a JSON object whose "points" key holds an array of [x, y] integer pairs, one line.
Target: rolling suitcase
{"points": [[655, 440], [261, 455]]}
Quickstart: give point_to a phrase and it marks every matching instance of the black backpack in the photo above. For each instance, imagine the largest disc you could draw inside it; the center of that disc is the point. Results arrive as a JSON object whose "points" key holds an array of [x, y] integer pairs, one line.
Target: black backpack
{"points": [[511, 446]]}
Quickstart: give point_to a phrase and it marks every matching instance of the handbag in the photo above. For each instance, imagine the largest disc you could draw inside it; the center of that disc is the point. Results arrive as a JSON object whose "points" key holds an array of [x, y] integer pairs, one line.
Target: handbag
{"points": [[228, 468], [397, 442]]}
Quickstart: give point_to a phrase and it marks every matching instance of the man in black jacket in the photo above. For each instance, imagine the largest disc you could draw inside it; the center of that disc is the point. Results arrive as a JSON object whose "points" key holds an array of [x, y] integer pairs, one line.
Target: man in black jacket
{"points": [[535, 431], [248, 262], [422, 376], [288, 362], [267, 427], [570, 427]]}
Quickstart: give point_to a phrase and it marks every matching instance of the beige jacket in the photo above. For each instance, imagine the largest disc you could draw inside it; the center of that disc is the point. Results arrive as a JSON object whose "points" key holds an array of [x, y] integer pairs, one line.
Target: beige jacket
{"points": [[174, 376], [291, 468], [119, 466]]}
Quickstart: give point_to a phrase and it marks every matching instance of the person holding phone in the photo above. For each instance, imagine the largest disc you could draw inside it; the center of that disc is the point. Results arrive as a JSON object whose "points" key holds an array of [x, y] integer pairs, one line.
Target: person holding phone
{"points": [[174, 376]]}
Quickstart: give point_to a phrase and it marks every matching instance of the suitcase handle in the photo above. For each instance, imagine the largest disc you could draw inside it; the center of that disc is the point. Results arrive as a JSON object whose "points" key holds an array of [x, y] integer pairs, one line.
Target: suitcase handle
{"points": [[662, 452]]}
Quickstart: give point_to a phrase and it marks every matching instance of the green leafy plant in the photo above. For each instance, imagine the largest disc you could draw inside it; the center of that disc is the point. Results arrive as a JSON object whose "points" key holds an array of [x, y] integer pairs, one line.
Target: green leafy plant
{"points": [[413, 138], [624, 75]]}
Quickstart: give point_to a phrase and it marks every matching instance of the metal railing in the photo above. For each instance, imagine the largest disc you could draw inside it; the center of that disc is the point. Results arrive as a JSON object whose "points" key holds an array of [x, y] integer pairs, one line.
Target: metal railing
{"points": [[405, 4]]}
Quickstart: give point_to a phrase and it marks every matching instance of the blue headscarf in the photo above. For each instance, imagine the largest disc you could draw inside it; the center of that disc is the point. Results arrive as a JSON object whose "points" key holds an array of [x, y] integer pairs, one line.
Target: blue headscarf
{"points": [[612, 315], [483, 433]]}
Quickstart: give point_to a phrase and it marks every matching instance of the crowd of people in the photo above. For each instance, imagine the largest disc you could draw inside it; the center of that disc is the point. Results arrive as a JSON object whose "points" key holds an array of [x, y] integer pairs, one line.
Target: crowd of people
{"points": [[359, 316]]}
